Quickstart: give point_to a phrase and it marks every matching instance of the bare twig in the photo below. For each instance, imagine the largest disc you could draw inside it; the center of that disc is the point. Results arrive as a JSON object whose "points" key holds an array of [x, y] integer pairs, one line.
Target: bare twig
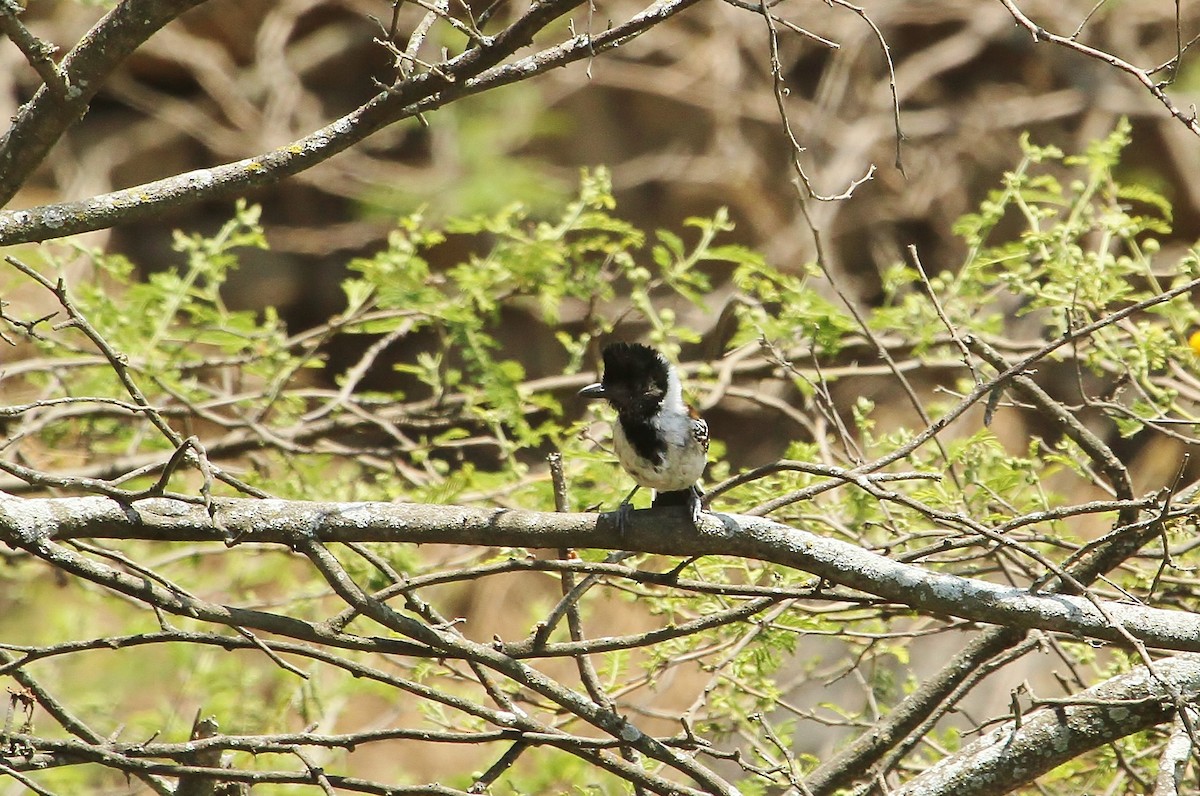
{"points": [[1040, 34]]}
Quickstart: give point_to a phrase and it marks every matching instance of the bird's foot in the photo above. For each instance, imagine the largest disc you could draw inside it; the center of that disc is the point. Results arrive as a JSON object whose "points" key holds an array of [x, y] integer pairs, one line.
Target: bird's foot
{"points": [[623, 513], [695, 505], [623, 519]]}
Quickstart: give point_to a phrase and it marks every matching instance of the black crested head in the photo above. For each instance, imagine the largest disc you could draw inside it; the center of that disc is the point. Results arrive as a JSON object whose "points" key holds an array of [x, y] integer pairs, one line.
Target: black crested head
{"points": [[635, 378]]}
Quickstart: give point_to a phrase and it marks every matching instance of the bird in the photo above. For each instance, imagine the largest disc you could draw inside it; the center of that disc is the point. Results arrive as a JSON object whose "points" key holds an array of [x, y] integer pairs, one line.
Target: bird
{"points": [[659, 439]]}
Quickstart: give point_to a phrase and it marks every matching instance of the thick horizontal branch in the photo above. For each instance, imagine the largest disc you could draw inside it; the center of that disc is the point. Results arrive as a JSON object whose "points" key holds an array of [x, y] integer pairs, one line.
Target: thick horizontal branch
{"points": [[1017, 753], [25, 523]]}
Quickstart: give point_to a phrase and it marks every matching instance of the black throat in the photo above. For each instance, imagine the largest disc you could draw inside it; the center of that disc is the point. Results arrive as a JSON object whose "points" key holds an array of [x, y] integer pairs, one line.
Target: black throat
{"points": [[644, 439], [635, 382]]}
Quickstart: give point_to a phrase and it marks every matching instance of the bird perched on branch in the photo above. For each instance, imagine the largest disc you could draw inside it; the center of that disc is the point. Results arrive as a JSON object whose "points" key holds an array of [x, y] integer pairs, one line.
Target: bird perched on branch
{"points": [[659, 440]]}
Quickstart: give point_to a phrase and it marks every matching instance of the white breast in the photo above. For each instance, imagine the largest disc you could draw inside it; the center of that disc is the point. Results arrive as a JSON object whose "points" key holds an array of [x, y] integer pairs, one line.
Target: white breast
{"points": [[682, 464]]}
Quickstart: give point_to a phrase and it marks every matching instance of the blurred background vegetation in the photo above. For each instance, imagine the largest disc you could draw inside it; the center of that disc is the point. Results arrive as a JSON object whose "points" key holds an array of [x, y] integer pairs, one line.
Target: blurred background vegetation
{"points": [[685, 119]]}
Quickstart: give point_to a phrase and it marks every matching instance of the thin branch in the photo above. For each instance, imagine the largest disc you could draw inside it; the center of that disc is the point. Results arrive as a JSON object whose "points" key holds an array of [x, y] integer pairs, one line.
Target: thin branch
{"points": [[886, 49], [69, 721], [781, 92], [1040, 34], [981, 391], [602, 718], [120, 367]]}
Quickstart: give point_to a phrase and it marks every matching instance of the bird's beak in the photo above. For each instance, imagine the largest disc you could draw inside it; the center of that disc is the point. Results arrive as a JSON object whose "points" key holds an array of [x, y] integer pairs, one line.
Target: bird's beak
{"points": [[592, 391]]}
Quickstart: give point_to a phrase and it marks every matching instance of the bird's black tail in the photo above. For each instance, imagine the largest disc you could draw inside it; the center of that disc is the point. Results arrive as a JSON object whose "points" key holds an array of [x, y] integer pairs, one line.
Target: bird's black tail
{"points": [[688, 498], [677, 497]]}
